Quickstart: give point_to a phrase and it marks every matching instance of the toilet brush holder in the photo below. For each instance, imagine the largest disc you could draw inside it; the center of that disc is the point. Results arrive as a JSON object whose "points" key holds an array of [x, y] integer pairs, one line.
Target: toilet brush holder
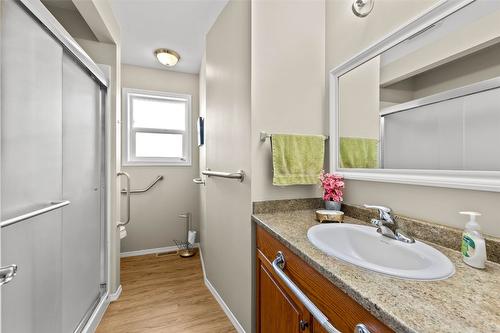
{"points": [[184, 248]]}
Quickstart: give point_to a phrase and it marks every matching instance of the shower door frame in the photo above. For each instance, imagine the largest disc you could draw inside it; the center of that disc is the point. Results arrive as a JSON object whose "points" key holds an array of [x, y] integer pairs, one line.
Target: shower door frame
{"points": [[101, 76]]}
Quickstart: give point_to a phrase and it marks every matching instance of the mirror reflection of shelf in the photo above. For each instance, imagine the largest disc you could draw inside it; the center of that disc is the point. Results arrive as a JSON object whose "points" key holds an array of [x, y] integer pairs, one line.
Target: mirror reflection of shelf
{"points": [[468, 32], [386, 80], [443, 96], [475, 67]]}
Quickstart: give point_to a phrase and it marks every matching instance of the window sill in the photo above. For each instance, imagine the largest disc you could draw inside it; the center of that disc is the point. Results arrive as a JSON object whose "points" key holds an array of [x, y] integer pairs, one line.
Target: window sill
{"points": [[156, 164]]}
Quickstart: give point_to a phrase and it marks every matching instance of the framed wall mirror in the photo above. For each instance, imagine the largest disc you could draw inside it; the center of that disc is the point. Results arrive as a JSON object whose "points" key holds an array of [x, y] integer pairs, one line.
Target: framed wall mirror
{"points": [[422, 106]]}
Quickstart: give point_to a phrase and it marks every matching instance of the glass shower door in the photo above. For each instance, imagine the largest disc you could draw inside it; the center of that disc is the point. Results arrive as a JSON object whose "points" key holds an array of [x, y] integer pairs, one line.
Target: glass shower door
{"points": [[31, 167], [51, 151], [81, 228]]}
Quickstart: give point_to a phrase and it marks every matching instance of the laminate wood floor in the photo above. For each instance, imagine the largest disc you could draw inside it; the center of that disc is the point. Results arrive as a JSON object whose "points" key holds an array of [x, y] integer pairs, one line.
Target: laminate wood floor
{"points": [[164, 294]]}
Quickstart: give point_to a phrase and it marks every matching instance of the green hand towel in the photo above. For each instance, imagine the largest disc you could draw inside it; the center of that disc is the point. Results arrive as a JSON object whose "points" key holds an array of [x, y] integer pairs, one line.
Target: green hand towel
{"points": [[358, 153], [297, 159]]}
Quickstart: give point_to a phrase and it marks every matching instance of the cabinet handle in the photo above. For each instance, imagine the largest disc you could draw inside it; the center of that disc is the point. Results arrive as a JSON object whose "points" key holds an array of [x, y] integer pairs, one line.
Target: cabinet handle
{"points": [[7, 273], [278, 266], [303, 325], [361, 328]]}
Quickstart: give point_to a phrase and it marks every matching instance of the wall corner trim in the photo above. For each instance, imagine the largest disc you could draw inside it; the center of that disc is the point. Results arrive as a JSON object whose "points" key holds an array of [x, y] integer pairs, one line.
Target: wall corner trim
{"points": [[219, 299]]}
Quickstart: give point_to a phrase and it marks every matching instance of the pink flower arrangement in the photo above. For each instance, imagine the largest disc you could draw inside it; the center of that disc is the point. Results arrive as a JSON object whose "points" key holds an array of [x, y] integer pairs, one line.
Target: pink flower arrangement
{"points": [[333, 184]]}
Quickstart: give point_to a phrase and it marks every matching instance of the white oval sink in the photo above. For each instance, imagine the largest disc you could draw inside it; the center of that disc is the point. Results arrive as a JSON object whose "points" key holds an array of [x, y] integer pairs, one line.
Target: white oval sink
{"points": [[365, 247]]}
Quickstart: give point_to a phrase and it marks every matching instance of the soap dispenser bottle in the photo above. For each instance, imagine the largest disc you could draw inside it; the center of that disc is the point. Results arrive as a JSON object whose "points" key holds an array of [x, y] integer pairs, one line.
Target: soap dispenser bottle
{"points": [[473, 245]]}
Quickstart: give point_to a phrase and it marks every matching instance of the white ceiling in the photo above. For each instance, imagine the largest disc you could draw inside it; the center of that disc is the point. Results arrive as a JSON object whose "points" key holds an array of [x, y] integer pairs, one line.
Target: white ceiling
{"points": [[179, 25]]}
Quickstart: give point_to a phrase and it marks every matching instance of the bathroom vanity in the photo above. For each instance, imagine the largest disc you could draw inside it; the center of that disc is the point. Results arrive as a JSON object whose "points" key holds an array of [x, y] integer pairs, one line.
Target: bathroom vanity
{"points": [[279, 310], [349, 295]]}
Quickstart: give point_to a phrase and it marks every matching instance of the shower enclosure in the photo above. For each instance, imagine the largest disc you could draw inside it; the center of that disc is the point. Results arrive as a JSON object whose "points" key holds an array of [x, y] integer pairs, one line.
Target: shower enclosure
{"points": [[52, 175]]}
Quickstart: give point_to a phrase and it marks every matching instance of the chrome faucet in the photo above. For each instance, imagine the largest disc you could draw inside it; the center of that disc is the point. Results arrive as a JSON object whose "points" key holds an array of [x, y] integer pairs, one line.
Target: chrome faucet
{"points": [[387, 226]]}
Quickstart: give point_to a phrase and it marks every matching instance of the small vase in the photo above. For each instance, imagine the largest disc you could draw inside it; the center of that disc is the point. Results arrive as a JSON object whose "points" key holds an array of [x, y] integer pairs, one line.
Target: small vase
{"points": [[332, 205]]}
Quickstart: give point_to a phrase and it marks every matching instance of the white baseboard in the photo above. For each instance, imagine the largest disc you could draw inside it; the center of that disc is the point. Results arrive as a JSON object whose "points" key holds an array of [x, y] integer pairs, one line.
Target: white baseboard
{"points": [[96, 317], [116, 295], [219, 299], [151, 251]]}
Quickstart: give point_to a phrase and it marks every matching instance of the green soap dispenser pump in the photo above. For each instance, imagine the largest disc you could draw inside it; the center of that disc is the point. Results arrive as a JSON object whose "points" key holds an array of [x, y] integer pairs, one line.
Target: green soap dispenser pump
{"points": [[473, 244]]}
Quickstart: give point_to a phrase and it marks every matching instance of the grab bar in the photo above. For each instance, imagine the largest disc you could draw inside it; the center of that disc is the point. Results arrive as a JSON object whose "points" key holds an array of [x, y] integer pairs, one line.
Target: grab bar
{"points": [[127, 191], [232, 175], [124, 191], [278, 266], [53, 206]]}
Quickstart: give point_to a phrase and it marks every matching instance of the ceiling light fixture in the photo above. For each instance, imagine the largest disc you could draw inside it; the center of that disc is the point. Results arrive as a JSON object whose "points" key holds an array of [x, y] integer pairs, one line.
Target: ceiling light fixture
{"points": [[362, 8], [167, 57]]}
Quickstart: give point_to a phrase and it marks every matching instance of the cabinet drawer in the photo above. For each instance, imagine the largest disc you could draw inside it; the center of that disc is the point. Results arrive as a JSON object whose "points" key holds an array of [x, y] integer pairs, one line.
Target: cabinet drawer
{"points": [[343, 312]]}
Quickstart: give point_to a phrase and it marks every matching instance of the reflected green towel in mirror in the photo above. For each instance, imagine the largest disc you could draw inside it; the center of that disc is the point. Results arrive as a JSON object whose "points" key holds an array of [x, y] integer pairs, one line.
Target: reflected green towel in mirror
{"points": [[358, 153], [297, 159]]}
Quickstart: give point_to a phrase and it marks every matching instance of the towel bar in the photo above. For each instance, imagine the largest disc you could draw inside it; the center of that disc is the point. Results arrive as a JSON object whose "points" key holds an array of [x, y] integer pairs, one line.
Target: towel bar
{"points": [[265, 135]]}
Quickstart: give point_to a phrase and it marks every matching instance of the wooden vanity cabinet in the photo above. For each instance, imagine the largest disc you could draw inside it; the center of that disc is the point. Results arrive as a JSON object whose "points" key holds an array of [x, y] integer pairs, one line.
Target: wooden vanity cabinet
{"points": [[279, 311]]}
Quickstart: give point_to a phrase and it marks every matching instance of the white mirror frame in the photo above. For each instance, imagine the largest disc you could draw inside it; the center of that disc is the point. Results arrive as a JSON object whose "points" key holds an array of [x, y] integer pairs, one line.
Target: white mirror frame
{"points": [[473, 180]]}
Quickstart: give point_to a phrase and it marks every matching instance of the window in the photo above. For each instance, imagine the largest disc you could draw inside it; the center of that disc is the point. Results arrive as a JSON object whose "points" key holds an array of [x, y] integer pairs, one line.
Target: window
{"points": [[158, 128]]}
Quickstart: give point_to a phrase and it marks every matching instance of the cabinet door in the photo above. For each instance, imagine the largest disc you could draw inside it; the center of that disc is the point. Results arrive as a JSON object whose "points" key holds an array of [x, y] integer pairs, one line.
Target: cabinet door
{"points": [[277, 312]]}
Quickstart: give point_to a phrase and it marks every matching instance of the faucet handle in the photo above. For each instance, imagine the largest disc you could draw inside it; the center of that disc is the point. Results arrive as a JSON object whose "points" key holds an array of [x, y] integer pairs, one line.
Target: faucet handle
{"points": [[384, 212]]}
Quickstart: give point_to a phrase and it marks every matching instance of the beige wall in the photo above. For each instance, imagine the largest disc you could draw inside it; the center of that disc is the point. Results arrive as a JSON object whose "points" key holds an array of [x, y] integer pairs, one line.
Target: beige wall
{"points": [[154, 215], [227, 243], [363, 80], [99, 16], [346, 36], [288, 84]]}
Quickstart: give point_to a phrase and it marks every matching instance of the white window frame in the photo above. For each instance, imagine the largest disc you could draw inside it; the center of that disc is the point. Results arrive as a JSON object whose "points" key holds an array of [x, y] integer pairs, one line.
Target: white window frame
{"points": [[128, 152]]}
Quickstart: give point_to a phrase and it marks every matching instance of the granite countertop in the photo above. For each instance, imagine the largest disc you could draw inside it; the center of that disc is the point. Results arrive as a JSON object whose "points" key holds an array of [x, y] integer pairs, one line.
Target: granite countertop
{"points": [[469, 301]]}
